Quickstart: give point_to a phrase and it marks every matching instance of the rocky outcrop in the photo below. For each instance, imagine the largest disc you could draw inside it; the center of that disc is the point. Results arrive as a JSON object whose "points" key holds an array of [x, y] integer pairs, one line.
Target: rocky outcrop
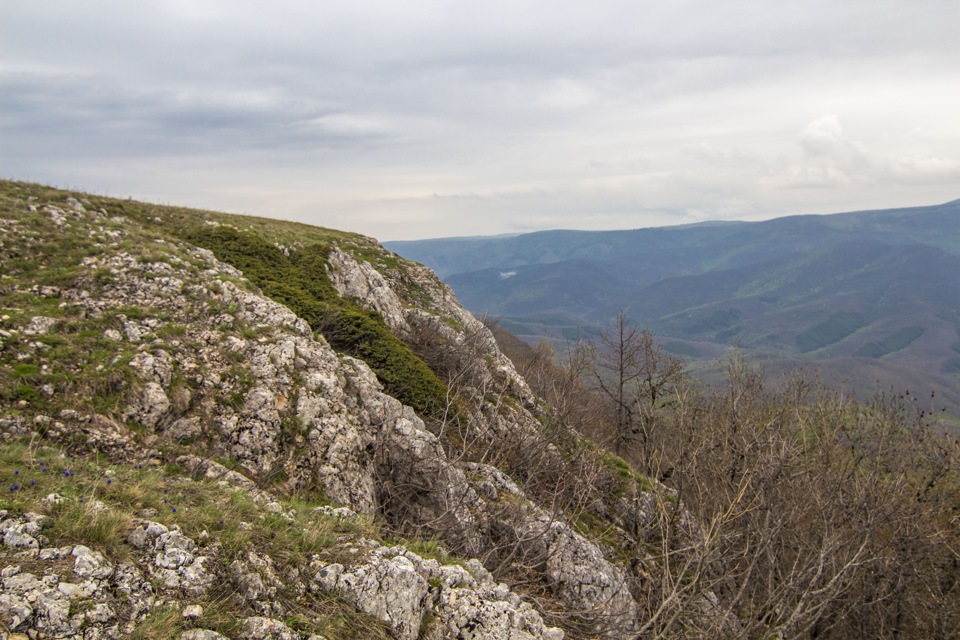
{"points": [[401, 588], [65, 592], [421, 309], [576, 568], [582, 577], [208, 368], [76, 592], [259, 399]]}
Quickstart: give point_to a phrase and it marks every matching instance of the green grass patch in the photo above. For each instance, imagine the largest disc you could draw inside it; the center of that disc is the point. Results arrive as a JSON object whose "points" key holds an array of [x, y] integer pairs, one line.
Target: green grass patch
{"points": [[628, 478], [596, 528], [25, 370], [430, 549]]}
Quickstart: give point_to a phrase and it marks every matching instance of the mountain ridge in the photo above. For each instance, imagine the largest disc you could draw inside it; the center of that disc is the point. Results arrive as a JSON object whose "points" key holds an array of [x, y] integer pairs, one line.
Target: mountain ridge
{"points": [[757, 284]]}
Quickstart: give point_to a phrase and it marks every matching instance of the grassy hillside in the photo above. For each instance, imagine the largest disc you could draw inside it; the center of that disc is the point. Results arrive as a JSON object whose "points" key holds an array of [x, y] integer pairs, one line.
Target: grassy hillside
{"points": [[285, 259]]}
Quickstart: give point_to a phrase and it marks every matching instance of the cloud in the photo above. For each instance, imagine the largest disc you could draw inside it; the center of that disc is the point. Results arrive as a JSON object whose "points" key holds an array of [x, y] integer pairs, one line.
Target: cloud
{"points": [[922, 169], [831, 159], [823, 136], [517, 115]]}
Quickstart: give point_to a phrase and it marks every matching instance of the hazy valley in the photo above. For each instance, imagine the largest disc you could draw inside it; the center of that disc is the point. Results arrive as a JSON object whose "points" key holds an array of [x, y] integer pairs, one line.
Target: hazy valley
{"points": [[868, 300]]}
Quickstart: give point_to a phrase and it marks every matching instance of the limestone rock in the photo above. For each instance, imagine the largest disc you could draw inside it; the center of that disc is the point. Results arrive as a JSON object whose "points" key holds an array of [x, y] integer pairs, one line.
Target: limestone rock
{"points": [[91, 564], [201, 634], [257, 628], [387, 587], [151, 407], [394, 585], [40, 325], [580, 574], [359, 280]]}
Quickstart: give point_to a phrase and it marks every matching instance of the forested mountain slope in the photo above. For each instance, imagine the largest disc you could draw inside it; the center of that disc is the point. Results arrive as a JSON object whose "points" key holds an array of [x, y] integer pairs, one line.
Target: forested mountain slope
{"points": [[778, 288]]}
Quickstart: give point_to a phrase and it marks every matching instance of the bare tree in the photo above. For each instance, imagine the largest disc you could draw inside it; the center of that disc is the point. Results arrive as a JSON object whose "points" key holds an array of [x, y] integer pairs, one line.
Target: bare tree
{"points": [[636, 376]]}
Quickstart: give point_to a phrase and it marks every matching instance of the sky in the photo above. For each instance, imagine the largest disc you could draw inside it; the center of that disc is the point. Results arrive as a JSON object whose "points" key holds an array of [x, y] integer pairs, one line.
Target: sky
{"points": [[432, 118]]}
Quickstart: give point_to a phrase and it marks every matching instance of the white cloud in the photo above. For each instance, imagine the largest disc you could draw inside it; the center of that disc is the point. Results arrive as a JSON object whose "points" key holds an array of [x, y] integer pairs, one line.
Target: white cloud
{"points": [[921, 169], [832, 160], [823, 136]]}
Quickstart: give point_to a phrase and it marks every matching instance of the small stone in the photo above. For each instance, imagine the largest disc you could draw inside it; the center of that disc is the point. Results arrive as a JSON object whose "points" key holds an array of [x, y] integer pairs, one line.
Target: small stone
{"points": [[258, 628], [192, 612], [53, 553], [72, 590], [201, 634], [100, 614], [15, 538], [90, 564], [40, 325]]}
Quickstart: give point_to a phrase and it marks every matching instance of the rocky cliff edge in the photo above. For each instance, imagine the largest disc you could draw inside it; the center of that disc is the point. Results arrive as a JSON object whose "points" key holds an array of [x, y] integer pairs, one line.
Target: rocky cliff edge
{"points": [[179, 390]]}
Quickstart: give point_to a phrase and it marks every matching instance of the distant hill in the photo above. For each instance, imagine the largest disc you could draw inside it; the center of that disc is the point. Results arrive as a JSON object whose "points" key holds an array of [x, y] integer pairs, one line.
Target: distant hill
{"points": [[870, 298]]}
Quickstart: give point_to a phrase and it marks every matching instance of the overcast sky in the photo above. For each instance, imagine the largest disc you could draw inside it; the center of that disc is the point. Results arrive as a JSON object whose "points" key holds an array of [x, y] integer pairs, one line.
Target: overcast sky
{"points": [[419, 119]]}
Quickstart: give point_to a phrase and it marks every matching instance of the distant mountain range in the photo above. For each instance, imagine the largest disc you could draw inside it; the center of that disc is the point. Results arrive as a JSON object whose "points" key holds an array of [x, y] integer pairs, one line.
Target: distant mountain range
{"points": [[870, 299]]}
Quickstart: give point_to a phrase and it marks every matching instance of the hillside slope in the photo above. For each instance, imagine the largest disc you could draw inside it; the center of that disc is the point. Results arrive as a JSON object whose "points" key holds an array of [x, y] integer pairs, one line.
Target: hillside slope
{"points": [[169, 429], [223, 426]]}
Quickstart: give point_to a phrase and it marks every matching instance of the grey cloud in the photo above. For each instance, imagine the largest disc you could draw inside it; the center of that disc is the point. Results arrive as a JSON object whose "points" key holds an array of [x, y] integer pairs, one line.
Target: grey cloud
{"points": [[514, 115], [158, 119]]}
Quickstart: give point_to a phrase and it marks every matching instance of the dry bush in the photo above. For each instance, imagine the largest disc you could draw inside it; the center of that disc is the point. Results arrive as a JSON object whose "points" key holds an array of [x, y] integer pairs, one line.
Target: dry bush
{"points": [[792, 513], [814, 518]]}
